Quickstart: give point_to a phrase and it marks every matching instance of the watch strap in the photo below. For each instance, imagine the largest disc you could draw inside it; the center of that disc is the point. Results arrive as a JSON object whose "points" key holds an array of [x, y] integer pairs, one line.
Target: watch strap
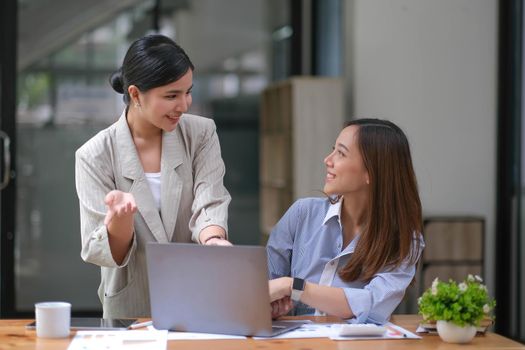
{"points": [[297, 288]]}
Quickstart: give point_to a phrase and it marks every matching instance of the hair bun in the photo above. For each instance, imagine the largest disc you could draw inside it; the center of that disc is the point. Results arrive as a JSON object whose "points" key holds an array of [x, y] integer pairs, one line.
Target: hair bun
{"points": [[116, 81]]}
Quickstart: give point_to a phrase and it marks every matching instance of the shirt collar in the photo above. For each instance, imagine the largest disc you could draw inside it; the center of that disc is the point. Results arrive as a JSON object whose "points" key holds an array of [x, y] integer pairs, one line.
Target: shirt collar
{"points": [[333, 210]]}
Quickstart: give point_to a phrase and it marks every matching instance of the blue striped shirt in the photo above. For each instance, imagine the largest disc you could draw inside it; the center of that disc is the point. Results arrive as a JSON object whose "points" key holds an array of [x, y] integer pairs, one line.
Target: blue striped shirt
{"points": [[307, 243]]}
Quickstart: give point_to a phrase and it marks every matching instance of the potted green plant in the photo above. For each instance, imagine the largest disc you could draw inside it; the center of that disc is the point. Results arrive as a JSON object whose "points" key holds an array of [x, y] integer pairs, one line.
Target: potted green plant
{"points": [[457, 308]]}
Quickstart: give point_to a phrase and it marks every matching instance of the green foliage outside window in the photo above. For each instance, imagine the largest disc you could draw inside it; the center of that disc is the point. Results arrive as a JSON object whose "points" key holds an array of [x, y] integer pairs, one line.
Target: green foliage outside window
{"points": [[33, 89]]}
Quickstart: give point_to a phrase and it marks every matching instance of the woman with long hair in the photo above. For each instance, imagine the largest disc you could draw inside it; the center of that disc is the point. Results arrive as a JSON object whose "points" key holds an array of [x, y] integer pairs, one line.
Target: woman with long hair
{"points": [[354, 253]]}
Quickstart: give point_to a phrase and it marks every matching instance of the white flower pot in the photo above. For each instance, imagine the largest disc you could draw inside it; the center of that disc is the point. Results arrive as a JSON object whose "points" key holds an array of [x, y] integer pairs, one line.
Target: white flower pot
{"points": [[452, 333]]}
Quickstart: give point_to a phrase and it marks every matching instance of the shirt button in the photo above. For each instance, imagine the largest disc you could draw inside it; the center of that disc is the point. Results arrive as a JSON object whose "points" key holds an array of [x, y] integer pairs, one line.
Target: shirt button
{"points": [[99, 236], [332, 263]]}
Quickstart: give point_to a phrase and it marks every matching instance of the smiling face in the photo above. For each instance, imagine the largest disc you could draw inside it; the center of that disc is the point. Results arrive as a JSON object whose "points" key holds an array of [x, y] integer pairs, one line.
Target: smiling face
{"points": [[163, 106], [345, 170]]}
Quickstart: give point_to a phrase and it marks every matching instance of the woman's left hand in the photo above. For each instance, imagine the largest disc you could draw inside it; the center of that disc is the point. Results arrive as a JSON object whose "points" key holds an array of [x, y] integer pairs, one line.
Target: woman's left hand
{"points": [[213, 235], [281, 307], [218, 241], [279, 288]]}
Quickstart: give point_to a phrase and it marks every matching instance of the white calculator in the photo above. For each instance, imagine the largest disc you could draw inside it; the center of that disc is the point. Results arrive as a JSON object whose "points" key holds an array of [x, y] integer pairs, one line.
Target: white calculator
{"points": [[361, 330]]}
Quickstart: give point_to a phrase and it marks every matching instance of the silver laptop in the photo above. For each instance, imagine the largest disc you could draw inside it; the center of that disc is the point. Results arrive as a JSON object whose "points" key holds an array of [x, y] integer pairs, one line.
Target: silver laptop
{"points": [[211, 289]]}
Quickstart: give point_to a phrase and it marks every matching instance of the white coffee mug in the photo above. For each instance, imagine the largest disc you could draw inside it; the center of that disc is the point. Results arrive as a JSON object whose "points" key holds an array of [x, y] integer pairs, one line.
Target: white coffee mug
{"points": [[53, 319]]}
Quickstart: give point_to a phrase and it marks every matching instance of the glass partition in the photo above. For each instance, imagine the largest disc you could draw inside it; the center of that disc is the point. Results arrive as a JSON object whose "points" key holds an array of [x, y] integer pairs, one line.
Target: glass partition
{"points": [[64, 99]]}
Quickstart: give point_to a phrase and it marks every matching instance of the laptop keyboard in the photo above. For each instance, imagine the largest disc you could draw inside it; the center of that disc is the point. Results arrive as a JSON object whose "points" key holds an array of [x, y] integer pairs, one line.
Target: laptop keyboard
{"points": [[279, 327]]}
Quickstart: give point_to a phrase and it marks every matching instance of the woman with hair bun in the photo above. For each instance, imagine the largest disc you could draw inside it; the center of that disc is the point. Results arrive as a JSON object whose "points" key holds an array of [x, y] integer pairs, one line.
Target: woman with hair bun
{"points": [[155, 175], [353, 254]]}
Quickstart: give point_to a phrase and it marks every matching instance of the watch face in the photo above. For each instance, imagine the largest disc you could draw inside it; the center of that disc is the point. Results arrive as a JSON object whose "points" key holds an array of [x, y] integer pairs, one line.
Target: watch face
{"points": [[298, 284]]}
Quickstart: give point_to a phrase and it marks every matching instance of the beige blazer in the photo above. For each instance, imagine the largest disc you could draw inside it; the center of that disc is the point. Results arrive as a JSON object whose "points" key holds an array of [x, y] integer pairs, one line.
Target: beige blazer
{"points": [[192, 197]]}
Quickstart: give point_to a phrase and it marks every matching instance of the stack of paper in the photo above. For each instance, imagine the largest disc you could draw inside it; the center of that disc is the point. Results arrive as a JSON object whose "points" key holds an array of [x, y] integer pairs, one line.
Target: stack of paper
{"points": [[113, 340]]}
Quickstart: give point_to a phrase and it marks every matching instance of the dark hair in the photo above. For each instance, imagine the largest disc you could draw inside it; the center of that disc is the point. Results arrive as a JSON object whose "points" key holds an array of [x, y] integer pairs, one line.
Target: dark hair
{"points": [[394, 212], [152, 61]]}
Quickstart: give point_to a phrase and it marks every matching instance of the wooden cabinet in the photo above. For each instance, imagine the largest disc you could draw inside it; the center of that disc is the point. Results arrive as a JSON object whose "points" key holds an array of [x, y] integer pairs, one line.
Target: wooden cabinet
{"points": [[454, 249], [300, 120]]}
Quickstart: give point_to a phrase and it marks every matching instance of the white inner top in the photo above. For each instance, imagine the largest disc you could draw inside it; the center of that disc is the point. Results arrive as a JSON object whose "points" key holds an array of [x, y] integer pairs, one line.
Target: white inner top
{"points": [[154, 185]]}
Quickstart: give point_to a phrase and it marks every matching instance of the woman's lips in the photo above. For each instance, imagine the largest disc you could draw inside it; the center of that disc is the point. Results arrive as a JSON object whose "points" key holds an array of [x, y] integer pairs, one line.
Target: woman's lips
{"points": [[173, 118]]}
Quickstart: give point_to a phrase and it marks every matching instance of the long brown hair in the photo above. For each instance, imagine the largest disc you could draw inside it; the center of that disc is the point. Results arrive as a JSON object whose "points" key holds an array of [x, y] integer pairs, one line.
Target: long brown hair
{"points": [[393, 218]]}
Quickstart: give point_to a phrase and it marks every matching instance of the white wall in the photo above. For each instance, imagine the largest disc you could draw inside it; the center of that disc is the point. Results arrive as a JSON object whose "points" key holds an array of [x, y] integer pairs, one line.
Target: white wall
{"points": [[431, 67]]}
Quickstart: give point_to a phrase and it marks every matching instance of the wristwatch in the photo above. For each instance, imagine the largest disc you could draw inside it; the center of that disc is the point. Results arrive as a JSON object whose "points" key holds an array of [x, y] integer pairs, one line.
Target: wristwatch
{"points": [[297, 288]]}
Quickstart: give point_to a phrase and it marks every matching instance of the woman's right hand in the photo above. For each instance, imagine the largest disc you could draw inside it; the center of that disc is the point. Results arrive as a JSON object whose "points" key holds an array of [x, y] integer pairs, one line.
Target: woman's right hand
{"points": [[279, 288], [120, 205]]}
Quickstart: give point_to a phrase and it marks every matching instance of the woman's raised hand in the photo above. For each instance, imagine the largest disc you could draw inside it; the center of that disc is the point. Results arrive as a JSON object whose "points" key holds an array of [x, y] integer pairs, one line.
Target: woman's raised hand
{"points": [[120, 204]]}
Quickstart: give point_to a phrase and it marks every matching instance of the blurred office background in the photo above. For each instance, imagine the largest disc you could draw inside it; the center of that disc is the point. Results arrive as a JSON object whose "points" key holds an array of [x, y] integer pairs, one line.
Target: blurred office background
{"points": [[449, 72]]}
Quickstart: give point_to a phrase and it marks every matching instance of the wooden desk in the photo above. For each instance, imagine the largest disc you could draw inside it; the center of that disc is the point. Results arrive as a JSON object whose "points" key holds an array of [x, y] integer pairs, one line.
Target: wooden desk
{"points": [[13, 335]]}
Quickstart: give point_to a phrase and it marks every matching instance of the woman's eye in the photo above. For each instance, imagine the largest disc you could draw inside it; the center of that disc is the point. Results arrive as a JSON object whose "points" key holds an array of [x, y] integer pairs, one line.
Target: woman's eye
{"points": [[341, 153]]}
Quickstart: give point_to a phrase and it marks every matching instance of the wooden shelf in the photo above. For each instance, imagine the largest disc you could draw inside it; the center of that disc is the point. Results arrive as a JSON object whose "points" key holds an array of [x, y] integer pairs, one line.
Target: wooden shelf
{"points": [[300, 120]]}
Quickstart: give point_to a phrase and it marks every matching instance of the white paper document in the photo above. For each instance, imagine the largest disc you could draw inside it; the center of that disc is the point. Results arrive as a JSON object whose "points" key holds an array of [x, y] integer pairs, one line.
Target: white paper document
{"points": [[198, 336], [329, 330], [424, 330], [113, 340]]}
